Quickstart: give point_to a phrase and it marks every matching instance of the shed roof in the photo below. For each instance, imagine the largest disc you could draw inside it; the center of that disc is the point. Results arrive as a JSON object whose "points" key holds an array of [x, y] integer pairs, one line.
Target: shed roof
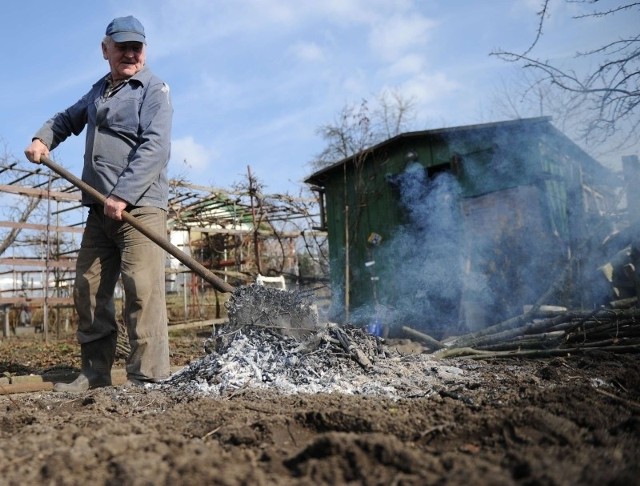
{"points": [[543, 121]]}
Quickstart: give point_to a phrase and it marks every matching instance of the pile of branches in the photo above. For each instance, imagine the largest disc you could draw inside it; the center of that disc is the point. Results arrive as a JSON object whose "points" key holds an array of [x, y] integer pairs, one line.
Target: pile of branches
{"points": [[614, 328]]}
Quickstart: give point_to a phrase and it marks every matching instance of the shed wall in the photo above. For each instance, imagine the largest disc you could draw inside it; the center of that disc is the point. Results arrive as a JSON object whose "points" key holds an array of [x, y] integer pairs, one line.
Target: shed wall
{"points": [[521, 180]]}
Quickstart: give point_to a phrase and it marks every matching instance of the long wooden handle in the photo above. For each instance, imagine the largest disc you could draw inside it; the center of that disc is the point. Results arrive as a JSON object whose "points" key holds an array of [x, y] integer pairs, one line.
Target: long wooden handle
{"points": [[159, 240]]}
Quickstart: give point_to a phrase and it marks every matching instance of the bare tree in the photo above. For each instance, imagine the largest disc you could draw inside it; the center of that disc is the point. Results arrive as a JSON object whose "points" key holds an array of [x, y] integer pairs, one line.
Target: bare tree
{"points": [[394, 113], [20, 213], [358, 127], [20, 216], [525, 95], [610, 91]]}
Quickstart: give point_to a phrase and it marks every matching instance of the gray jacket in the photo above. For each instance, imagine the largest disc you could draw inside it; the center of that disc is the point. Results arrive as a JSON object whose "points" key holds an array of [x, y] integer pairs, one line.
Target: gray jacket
{"points": [[128, 139]]}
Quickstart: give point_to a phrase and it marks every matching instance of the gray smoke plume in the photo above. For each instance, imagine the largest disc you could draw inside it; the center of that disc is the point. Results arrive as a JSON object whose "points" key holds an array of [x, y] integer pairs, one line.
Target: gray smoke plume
{"points": [[427, 268]]}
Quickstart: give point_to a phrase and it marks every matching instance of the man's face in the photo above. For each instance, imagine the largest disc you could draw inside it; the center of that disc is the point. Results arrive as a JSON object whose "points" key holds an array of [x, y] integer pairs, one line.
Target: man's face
{"points": [[125, 58]]}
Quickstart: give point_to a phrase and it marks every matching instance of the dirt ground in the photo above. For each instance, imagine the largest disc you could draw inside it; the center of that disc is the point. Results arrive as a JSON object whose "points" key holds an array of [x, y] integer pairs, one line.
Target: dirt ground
{"points": [[570, 420]]}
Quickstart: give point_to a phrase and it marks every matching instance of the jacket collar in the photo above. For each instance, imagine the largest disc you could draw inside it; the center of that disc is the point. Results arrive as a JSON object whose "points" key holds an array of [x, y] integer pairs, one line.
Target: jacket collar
{"points": [[143, 76]]}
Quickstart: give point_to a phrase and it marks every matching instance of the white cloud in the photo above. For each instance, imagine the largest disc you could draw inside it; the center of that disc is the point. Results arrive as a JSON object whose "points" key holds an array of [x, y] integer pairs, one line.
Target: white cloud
{"points": [[308, 51], [407, 65], [399, 34], [356, 85], [187, 154], [178, 25], [427, 88]]}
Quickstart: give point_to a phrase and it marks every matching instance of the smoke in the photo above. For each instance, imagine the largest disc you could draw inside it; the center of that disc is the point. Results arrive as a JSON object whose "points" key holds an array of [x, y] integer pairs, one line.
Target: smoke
{"points": [[461, 261], [422, 261]]}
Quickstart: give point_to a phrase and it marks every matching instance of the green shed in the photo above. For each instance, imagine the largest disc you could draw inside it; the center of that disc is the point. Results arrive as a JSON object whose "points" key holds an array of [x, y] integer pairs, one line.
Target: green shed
{"points": [[457, 228]]}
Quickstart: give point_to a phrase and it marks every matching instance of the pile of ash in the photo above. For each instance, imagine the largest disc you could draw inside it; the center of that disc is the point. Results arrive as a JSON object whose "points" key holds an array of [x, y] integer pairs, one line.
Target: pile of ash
{"points": [[332, 359]]}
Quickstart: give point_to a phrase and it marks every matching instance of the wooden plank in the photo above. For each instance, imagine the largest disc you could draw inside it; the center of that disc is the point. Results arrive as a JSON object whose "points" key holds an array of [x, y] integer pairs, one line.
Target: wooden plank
{"points": [[32, 262], [41, 227], [35, 301], [41, 193], [38, 383], [197, 324], [241, 232]]}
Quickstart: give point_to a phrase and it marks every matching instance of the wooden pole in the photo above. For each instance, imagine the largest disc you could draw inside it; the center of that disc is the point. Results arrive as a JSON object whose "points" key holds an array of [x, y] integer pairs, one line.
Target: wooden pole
{"points": [[7, 329], [431, 342], [45, 283], [346, 263], [256, 250], [160, 240]]}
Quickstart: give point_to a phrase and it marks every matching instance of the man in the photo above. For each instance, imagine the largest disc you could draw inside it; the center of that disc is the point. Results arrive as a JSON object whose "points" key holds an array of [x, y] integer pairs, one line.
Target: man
{"points": [[128, 116]]}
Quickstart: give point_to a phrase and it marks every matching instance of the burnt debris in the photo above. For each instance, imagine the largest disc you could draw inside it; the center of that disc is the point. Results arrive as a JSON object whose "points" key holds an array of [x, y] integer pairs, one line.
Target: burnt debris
{"points": [[286, 312], [332, 359]]}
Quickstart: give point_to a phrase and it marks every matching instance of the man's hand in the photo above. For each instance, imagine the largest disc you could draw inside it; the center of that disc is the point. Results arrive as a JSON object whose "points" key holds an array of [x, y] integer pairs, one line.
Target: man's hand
{"points": [[114, 206], [36, 150]]}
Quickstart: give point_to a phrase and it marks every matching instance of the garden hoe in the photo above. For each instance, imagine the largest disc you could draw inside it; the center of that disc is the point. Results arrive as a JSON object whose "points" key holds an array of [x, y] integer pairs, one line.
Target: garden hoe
{"points": [[289, 312]]}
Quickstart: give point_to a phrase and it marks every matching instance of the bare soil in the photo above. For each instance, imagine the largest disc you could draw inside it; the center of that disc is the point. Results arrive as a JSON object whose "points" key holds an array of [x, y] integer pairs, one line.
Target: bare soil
{"points": [[570, 420]]}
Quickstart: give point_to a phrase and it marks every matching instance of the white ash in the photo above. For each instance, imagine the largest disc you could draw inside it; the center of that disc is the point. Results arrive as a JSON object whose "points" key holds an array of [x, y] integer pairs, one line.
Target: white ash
{"points": [[331, 360]]}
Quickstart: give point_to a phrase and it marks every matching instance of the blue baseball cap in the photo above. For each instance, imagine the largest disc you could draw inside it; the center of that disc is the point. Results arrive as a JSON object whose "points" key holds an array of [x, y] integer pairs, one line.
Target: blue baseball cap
{"points": [[126, 29]]}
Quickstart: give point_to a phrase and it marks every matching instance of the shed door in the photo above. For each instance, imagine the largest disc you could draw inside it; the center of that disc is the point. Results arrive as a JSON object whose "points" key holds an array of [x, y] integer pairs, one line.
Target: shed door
{"points": [[510, 254]]}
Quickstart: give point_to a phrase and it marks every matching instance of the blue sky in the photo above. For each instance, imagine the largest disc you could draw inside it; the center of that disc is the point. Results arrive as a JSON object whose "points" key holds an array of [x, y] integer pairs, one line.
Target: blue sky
{"points": [[252, 80]]}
